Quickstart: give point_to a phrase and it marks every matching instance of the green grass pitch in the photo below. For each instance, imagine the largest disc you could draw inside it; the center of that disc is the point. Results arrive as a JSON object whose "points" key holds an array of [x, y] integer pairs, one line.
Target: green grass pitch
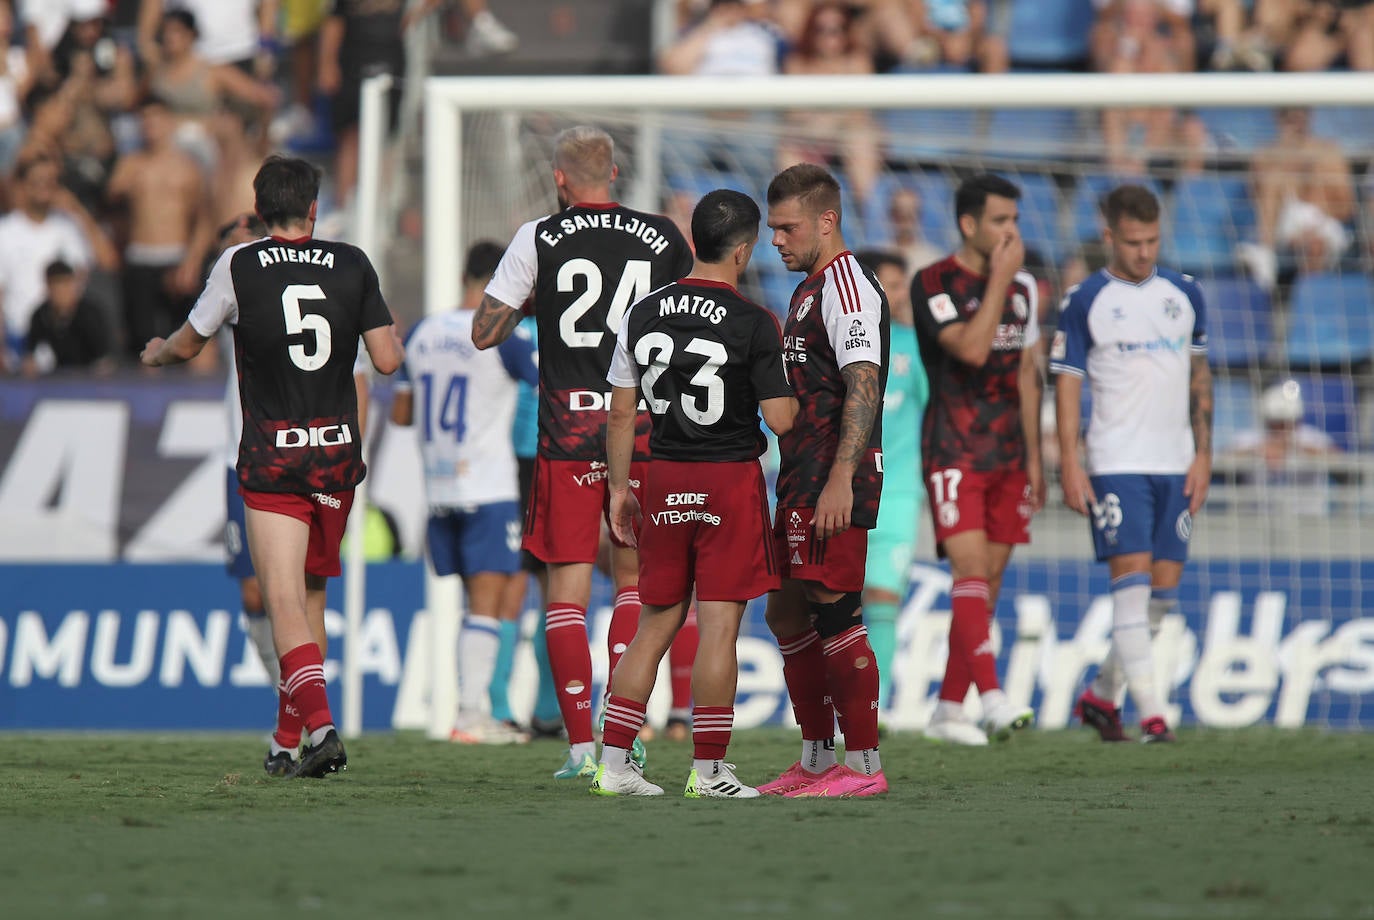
{"points": [[1257, 823]]}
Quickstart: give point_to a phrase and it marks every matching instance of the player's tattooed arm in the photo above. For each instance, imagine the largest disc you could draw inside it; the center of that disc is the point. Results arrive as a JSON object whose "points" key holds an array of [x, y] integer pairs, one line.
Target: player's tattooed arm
{"points": [[863, 400], [494, 322], [1200, 406]]}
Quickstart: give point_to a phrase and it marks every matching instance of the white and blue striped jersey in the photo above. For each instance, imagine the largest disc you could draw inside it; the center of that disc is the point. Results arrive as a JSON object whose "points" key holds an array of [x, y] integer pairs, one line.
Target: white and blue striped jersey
{"points": [[464, 404], [1134, 343]]}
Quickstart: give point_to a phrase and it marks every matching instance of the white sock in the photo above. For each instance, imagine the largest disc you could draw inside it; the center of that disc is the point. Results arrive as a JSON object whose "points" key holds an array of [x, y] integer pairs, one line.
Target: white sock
{"points": [[477, 648], [581, 750], [616, 759], [865, 761], [318, 734], [1110, 682], [706, 769], [818, 756], [1131, 638], [278, 749], [259, 629], [948, 711]]}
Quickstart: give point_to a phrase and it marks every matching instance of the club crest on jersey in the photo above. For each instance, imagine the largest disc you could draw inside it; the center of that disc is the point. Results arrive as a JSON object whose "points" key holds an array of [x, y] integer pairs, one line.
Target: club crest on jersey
{"points": [[942, 308], [1172, 308], [805, 307], [1020, 307]]}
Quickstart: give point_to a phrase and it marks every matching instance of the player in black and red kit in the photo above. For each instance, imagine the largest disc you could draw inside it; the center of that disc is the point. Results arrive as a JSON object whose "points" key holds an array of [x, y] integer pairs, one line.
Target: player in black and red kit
{"points": [[297, 307], [835, 343], [976, 322], [706, 361], [578, 271]]}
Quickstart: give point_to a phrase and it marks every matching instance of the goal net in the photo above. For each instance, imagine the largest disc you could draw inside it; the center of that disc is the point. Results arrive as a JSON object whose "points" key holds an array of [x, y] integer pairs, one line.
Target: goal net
{"points": [[1271, 628]]}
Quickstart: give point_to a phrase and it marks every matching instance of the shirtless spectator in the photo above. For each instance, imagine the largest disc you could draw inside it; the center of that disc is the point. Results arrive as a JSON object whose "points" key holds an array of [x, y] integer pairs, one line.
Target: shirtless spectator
{"points": [[48, 224], [1331, 32], [1304, 197], [242, 144], [169, 229]]}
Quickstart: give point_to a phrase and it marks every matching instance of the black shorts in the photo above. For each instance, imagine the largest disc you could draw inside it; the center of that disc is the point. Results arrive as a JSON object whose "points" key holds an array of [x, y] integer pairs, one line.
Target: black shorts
{"points": [[346, 107], [528, 561]]}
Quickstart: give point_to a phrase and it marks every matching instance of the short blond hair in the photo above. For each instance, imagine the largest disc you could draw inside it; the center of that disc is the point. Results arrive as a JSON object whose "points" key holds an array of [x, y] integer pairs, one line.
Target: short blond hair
{"points": [[586, 154], [813, 186]]}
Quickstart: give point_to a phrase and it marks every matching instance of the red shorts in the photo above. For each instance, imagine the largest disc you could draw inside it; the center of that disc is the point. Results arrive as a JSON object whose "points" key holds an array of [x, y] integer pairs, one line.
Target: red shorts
{"points": [[996, 502], [705, 523], [568, 500], [325, 513], [639, 471], [836, 563]]}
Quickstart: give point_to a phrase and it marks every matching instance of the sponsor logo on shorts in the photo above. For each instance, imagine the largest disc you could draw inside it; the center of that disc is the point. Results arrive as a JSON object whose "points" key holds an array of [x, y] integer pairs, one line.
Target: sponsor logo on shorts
{"points": [[596, 472], [691, 516], [684, 498], [949, 514], [329, 501], [1184, 526]]}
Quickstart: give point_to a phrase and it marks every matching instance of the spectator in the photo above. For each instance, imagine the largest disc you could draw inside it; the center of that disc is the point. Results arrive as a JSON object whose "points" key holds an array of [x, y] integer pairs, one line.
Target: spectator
{"points": [[1330, 32], [948, 32], [1304, 197], [241, 145], [1276, 457], [485, 33], [904, 214], [241, 33], [827, 47], [67, 330], [735, 38], [191, 86], [1143, 36], [360, 39], [46, 22], [48, 224], [15, 80], [1247, 33], [170, 229], [301, 32]]}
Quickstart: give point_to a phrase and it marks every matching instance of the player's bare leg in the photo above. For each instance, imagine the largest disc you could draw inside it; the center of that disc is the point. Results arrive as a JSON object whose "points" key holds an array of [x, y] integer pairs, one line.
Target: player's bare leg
{"points": [[570, 589], [295, 602]]}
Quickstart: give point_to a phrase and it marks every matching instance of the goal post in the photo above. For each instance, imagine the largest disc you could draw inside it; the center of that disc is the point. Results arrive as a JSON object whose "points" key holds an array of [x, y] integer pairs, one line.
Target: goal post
{"points": [[1273, 627]]}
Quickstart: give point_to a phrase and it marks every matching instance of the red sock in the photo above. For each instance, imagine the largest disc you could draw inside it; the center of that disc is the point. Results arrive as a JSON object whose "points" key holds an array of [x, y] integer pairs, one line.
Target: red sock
{"points": [[570, 659], [803, 670], [624, 622], [302, 673], [711, 731], [852, 673], [624, 719], [968, 633], [288, 733], [954, 687], [682, 654]]}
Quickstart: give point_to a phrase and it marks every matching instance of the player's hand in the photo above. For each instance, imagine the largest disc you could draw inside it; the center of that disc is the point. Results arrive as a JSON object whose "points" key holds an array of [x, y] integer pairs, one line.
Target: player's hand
{"points": [[833, 508], [625, 516], [1197, 482], [1007, 257], [1078, 490], [148, 357], [1035, 488]]}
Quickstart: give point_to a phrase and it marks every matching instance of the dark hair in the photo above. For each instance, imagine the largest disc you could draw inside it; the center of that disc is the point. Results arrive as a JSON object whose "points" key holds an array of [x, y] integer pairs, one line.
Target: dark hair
{"points": [[58, 269], [721, 221], [29, 164], [806, 44], [183, 16], [154, 101], [1133, 201], [973, 193], [874, 259], [482, 260], [284, 189], [810, 184]]}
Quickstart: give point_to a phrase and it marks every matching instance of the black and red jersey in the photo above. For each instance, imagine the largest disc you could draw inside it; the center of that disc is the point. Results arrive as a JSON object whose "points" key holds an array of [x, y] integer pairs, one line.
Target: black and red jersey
{"points": [[703, 357], [297, 308], [838, 316], [578, 271], [973, 419]]}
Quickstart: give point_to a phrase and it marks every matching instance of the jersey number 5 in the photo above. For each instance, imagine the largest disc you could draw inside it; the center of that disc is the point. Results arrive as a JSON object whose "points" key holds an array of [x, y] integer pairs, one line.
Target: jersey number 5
{"points": [[634, 284], [708, 377], [298, 321]]}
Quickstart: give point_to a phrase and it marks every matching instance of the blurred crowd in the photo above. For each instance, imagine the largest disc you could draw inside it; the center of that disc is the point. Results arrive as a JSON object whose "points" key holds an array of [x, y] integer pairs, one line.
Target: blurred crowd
{"points": [[130, 131]]}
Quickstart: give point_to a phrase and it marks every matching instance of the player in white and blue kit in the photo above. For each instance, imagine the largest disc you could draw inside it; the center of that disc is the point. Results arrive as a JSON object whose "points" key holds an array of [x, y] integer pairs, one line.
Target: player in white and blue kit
{"points": [[464, 400], [1137, 333]]}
